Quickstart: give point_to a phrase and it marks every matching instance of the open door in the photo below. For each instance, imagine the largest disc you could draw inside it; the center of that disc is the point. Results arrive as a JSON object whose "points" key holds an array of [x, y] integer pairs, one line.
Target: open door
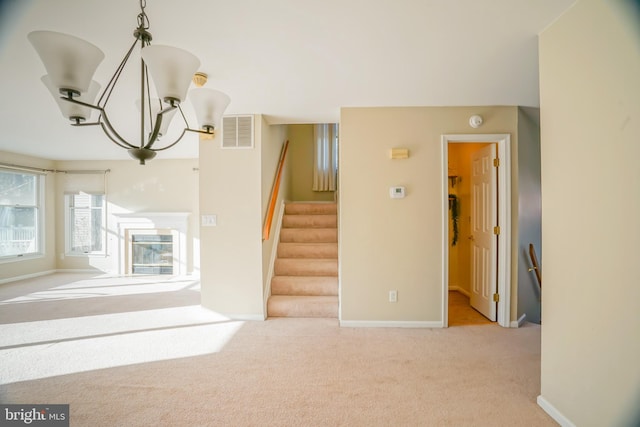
{"points": [[484, 241]]}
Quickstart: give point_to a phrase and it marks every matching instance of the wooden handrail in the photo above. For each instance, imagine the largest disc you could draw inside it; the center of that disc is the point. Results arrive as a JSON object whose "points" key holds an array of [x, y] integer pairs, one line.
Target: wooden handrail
{"points": [[534, 262], [266, 230]]}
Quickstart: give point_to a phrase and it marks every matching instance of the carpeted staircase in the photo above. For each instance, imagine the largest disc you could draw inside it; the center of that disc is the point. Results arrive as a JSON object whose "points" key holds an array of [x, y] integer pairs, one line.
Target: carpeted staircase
{"points": [[305, 281]]}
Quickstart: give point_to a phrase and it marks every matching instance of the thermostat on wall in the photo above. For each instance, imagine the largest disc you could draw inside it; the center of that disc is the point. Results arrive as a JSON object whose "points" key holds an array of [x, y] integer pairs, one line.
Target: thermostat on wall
{"points": [[396, 192]]}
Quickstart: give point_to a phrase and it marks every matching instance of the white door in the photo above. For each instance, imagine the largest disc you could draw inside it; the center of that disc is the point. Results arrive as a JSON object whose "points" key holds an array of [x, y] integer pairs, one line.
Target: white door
{"points": [[484, 243]]}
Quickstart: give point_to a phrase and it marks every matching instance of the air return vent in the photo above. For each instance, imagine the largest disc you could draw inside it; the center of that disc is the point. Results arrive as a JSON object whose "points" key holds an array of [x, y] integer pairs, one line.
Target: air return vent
{"points": [[237, 132]]}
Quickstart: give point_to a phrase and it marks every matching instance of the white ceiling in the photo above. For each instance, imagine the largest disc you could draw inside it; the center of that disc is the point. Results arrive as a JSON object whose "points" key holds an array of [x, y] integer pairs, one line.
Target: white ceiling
{"points": [[295, 61]]}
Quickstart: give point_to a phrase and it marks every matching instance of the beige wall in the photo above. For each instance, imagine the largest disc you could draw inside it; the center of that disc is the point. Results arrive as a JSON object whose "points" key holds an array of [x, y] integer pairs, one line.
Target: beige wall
{"points": [[590, 121], [231, 252], [47, 262], [301, 165], [388, 244], [158, 186]]}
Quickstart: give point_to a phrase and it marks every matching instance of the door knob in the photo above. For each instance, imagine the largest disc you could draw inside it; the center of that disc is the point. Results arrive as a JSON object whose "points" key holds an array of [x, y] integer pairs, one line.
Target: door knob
{"points": [[472, 238]]}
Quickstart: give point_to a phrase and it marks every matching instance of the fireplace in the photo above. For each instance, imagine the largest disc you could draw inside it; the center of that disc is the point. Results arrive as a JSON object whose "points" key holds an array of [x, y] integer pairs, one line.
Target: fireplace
{"points": [[151, 253], [153, 243]]}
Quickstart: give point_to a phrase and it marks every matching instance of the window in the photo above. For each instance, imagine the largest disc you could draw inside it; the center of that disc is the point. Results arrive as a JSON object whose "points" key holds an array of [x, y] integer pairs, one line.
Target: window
{"points": [[20, 213], [85, 223], [325, 167]]}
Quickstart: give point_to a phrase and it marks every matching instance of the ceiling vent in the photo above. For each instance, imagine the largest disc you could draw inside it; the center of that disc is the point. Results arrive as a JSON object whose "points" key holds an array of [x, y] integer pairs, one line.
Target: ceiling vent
{"points": [[237, 132]]}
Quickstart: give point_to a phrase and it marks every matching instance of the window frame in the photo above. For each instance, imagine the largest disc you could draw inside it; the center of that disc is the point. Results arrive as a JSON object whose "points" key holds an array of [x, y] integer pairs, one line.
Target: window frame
{"points": [[68, 226], [40, 211]]}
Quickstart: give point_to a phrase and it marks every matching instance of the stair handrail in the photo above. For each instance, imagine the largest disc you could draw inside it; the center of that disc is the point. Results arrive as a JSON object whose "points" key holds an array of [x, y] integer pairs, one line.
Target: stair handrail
{"points": [[266, 230], [534, 262]]}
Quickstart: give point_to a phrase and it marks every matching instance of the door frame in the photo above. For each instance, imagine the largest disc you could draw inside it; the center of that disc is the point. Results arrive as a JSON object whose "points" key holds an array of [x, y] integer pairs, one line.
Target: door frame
{"points": [[503, 142]]}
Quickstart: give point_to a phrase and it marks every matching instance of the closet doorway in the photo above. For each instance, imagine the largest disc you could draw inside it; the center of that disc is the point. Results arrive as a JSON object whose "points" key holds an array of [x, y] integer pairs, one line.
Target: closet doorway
{"points": [[476, 232]]}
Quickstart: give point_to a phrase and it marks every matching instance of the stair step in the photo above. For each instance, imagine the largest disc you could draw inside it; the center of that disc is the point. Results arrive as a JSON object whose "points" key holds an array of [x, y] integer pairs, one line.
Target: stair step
{"points": [[306, 267], [301, 208], [302, 306], [304, 285], [305, 281], [309, 235], [307, 250], [310, 221]]}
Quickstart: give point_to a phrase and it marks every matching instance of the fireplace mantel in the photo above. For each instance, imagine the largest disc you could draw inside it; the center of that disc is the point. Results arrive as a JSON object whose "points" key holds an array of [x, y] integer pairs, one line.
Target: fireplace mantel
{"points": [[175, 220]]}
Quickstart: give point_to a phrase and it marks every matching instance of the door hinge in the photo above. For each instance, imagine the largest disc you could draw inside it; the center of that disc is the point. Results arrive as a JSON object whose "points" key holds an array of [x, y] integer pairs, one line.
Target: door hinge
{"points": [[496, 162], [496, 297], [496, 230]]}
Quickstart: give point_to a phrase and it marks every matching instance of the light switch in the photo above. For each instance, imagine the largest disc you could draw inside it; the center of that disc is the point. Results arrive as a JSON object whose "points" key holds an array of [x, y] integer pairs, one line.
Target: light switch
{"points": [[209, 220]]}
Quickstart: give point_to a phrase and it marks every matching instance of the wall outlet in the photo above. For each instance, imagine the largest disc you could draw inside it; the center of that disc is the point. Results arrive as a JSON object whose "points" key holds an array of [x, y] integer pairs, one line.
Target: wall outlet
{"points": [[393, 296]]}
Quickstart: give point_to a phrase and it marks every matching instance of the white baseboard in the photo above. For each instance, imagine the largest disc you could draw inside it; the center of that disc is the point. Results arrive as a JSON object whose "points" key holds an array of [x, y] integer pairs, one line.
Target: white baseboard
{"points": [[80, 270], [74, 271], [26, 276], [461, 290], [389, 324], [518, 323], [554, 413]]}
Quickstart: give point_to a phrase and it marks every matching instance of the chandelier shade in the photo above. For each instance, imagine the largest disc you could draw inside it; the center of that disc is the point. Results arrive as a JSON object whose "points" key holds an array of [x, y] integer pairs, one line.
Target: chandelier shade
{"points": [[209, 105], [70, 61], [71, 110], [171, 70]]}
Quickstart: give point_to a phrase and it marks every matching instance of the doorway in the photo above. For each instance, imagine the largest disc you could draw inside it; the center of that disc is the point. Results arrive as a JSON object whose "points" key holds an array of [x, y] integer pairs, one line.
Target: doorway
{"points": [[457, 189], [472, 245]]}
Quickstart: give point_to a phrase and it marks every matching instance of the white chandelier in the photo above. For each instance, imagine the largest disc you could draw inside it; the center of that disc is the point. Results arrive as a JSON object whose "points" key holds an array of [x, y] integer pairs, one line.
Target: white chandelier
{"points": [[71, 63]]}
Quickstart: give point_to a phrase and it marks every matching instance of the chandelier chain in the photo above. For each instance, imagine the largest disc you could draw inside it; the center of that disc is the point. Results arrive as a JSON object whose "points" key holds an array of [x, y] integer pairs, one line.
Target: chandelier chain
{"points": [[143, 19]]}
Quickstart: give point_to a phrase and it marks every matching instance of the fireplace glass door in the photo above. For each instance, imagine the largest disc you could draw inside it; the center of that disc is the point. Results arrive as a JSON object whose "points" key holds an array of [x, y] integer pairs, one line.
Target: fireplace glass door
{"points": [[152, 253]]}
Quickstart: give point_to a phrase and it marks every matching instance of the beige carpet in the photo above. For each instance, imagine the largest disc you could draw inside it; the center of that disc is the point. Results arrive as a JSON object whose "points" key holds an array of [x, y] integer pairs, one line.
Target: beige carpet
{"points": [[281, 372]]}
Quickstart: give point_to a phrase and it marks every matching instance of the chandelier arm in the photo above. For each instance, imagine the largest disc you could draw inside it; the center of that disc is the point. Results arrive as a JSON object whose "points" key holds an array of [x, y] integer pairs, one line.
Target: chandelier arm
{"points": [[146, 79], [85, 124], [142, 100], [173, 143], [84, 104], [104, 122], [156, 129], [125, 145], [112, 132], [114, 78], [183, 117], [203, 132]]}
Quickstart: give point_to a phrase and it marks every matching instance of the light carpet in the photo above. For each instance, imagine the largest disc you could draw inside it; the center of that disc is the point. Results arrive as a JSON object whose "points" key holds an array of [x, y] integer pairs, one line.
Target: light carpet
{"points": [[280, 372]]}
